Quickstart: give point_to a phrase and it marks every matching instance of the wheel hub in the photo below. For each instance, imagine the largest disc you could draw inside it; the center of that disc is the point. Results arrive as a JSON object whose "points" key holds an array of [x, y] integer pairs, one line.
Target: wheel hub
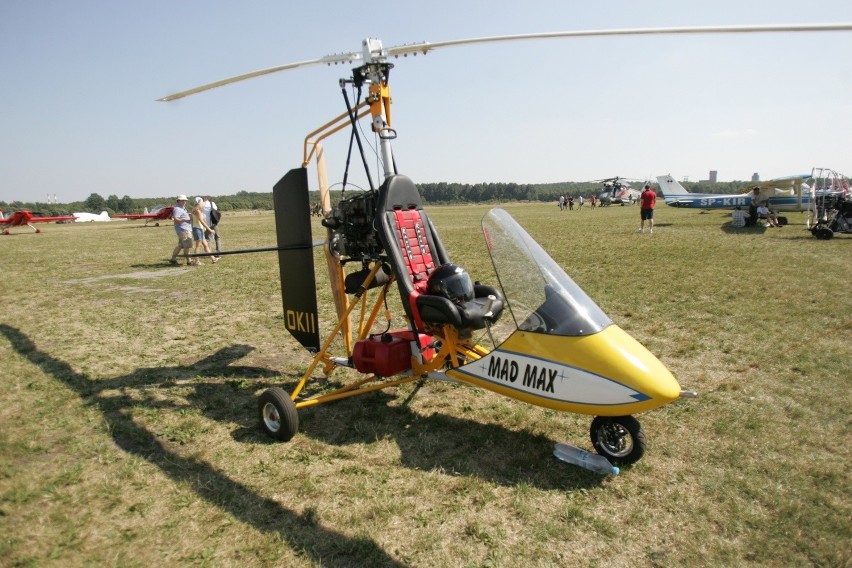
{"points": [[616, 439], [271, 418]]}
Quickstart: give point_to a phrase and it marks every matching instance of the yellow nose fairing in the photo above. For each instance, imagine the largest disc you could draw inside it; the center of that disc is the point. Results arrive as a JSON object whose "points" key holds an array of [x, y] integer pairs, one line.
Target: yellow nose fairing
{"points": [[605, 374]]}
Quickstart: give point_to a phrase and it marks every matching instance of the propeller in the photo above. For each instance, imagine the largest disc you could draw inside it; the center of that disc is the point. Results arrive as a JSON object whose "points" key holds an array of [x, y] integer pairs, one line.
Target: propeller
{"points": [[373, 52], [615, 179]]}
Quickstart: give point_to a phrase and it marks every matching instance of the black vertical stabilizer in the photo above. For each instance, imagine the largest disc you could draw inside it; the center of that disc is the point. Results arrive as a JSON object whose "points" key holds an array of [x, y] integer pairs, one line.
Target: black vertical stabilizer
{"points": [[296, 265]]}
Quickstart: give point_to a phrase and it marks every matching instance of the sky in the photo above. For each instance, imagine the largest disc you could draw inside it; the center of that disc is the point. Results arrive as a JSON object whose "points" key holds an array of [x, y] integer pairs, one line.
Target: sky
{"points": [[79, 83]]}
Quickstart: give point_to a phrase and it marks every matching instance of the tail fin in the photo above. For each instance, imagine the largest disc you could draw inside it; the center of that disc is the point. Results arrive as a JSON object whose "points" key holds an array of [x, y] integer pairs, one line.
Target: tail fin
{"points": [[670, 187], [296, 257]]}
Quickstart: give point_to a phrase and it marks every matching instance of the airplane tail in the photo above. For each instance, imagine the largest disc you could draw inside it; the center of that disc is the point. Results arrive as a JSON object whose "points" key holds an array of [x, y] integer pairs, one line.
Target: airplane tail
{"points": [[670, 187]]}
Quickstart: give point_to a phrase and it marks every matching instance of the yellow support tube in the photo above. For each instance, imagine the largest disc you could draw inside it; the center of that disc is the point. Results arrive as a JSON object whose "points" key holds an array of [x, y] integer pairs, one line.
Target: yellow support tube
{"points": [[329, 124], [347, 392]]}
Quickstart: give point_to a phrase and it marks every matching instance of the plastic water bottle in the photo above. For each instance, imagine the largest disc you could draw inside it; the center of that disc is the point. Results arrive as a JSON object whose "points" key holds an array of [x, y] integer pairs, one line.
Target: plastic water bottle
{"points": [[588, 460]]}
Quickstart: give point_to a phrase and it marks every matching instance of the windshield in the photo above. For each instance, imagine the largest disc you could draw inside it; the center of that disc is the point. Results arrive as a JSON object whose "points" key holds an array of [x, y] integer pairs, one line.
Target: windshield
{"points": [[539, 295]]}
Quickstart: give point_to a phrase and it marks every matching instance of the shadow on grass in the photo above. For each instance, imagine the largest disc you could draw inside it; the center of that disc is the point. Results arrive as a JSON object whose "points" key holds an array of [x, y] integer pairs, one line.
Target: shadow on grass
{"points": [[301, 532], [753, 230], [451, 444]]}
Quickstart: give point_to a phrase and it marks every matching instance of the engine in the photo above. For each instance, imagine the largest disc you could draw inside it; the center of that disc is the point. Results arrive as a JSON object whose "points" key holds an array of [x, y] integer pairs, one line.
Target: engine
{"points": [[351, 223]]}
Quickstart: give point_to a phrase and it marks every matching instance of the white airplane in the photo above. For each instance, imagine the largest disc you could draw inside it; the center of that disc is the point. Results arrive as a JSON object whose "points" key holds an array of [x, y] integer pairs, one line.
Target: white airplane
{"points": [[803, 192], [89, 217]]}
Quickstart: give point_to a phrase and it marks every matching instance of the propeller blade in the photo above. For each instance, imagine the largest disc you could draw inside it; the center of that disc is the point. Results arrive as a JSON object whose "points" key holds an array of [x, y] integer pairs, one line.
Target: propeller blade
{"points": [[426, 47]]}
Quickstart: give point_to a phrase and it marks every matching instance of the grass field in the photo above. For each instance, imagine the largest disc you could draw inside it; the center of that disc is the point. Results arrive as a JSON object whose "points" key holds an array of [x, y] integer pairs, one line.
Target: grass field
{"points": [[129, 437]]}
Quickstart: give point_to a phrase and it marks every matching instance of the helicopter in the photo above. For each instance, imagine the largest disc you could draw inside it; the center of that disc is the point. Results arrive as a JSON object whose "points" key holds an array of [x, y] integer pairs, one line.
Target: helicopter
{"points": [[617, 190], [534, 335]]}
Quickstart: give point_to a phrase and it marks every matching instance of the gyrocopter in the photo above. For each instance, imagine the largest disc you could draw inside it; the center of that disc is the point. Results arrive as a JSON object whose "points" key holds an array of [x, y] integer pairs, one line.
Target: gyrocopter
{"points": [[533, 335]]}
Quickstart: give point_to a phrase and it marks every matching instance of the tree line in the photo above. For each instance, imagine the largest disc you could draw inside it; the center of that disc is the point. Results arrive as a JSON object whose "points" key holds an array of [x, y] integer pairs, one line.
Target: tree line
{"points": [[435, 193]]}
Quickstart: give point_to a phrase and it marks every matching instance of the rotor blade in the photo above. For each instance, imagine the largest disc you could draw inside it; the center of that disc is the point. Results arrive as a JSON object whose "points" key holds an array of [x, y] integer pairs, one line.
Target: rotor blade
{"points": [[425, 47], [328, 60]]}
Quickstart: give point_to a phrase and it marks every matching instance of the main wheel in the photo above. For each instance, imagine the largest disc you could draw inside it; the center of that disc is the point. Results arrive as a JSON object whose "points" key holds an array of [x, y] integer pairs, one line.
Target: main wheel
{"points": [[620, 439], [822, 233], [278, 415]]}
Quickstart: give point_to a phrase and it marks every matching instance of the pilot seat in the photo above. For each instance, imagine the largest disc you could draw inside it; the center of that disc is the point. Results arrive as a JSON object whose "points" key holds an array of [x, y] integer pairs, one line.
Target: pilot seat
{"points": [[415, 252]]}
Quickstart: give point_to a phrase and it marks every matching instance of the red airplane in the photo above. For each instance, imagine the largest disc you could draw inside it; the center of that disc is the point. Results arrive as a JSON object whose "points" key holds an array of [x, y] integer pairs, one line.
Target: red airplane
{"points": [[24, 217], [159, 215]]}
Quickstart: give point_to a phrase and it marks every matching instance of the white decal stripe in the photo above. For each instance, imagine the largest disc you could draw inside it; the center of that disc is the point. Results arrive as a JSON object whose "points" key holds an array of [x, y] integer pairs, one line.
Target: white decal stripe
{"points": [[550, 380]]}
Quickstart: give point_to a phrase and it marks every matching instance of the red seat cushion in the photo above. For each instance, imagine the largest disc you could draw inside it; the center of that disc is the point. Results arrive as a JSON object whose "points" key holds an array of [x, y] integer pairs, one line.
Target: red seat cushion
{"points": [[411, 235]]}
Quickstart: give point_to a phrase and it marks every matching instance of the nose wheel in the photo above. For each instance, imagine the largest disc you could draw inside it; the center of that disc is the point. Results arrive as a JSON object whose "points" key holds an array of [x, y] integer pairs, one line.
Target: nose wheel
{"points": [[620, 439]]}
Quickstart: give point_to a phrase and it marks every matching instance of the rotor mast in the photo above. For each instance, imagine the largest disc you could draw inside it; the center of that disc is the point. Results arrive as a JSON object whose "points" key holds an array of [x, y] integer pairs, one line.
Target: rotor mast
{"points": [[376, 72]]}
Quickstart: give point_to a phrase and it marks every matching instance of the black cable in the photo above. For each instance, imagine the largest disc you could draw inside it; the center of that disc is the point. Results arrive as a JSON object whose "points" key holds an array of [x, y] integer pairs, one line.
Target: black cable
{"points": [[354, 120]]}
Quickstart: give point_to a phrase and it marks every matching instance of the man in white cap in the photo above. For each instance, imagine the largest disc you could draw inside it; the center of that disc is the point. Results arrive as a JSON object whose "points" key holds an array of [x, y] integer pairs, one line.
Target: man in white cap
{"points": [[183, 228]]}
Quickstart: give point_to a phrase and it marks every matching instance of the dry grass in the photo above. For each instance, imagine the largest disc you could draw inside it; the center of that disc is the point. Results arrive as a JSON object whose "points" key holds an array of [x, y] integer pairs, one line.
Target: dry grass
{"points": [[128, 433]]}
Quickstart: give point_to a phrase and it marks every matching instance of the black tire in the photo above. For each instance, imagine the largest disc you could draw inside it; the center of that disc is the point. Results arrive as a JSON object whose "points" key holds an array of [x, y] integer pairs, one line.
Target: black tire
{"points": [[823, 233], [278, 415], [620, 439]]}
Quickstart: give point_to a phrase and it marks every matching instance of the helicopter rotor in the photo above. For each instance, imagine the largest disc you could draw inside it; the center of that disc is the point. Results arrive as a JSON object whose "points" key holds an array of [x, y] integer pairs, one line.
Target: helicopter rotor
{"points": [[373, 52]]}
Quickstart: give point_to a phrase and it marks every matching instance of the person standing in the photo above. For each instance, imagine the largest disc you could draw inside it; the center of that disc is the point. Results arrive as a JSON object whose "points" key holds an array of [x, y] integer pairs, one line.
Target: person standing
{"points": [[183, 228], [648, 199], [211, 217], [751, 219], [199, 229]]}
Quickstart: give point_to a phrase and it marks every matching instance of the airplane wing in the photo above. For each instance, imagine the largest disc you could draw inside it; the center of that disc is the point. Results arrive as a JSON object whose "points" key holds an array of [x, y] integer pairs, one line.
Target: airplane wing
{"points": [[136, 216], [782, 184], [164, 213], [25, 217], [55, 219]]}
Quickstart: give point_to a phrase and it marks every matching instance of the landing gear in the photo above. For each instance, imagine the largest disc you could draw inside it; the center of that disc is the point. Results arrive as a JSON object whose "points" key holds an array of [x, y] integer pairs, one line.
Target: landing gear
{"points": [[822, 233], [620, 439], [278, 416]]}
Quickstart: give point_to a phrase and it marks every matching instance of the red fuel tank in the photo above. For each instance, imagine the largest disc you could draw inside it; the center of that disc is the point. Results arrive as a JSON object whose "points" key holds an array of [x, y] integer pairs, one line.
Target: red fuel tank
{"points": [[390, 353]]}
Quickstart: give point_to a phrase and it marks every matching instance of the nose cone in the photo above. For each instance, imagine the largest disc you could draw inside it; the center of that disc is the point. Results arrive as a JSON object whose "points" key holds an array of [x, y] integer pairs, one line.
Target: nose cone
{"points": [[616, 354], [608, 373]]}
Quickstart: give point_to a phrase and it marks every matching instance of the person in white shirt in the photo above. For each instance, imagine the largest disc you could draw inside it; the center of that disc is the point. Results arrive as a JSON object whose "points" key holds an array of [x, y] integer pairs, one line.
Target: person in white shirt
{"points": [[183, 228], [763, 212], [208, 206]]}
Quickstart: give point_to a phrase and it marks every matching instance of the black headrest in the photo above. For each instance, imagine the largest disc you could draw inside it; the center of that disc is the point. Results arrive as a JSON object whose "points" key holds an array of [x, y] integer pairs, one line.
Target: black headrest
{"points": [[399, 192]]}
